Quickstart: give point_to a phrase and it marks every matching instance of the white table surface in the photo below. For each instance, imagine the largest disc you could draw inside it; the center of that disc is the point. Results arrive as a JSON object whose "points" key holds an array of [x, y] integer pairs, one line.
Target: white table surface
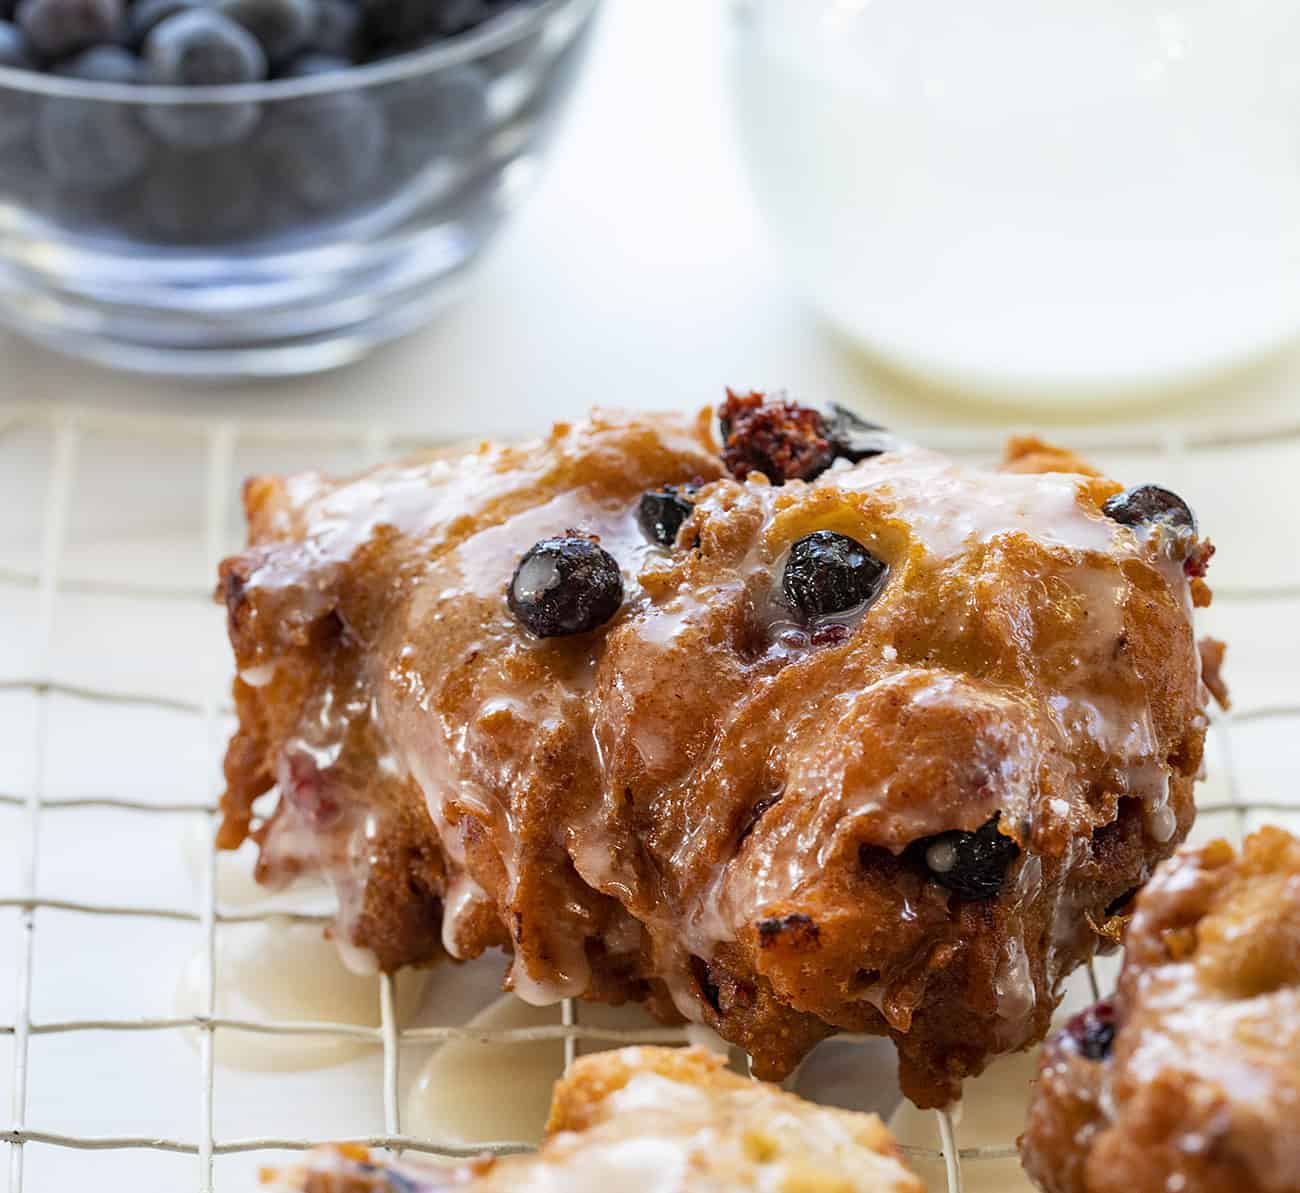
{"points": [[638, 274]]}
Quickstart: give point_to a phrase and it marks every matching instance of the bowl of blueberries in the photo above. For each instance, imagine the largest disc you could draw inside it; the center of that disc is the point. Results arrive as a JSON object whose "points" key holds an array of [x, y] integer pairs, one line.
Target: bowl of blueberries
{"points": [[227, 188]]}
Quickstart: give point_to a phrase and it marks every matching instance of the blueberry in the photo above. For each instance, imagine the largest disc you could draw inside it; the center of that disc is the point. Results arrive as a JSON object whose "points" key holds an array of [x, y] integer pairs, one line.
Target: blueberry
{"points": [[338, 28], [201, 48], [202, 126], [660, 513], [973, 865], [565, 586], [439, 114], [830, 573], [1091, 1032], [102, 64], [145, 15], [326, 148], [87, 145], [60, 27], [282, 27], [203, 198], [14, 50], [1150, 503], [306, 65], [404, 24], [853, 437]]}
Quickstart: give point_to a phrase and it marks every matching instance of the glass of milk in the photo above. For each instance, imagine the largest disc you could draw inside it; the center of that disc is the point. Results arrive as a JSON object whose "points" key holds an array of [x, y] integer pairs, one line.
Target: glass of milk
{"points": [[1065, 198]]}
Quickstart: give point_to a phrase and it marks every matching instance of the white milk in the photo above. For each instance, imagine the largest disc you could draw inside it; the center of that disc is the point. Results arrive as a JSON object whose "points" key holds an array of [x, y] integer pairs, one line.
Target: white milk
{"points": [[1077, 194]]}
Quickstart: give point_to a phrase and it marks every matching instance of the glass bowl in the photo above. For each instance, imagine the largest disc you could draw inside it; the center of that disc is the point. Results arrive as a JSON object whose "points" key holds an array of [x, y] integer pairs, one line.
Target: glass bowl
{"points": [[271, 228]]}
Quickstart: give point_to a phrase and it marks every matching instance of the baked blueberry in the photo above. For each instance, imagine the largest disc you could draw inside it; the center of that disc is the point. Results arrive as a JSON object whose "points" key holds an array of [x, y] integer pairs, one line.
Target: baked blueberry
{"points": [[660, 513], [1150, 503], [853, 438], [1091, 1033], [830, 573], [565, 586], [970, 864], [282, 27], [102, 64], [56, 28], [326, 148], [13, 47]]}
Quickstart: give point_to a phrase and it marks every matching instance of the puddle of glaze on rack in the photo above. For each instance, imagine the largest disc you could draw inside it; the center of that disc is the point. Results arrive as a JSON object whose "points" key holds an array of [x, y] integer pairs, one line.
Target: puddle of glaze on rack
{"points": [[282, 971], [471, 1091]]}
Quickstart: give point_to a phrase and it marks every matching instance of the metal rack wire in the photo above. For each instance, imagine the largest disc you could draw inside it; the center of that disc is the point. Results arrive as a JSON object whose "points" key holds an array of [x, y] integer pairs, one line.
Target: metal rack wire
{"points": [[68, 429]]}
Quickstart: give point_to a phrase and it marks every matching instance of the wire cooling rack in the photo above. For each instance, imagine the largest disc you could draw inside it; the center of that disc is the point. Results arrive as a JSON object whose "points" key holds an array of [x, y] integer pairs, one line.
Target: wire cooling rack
{"points": [[1245, 469]]}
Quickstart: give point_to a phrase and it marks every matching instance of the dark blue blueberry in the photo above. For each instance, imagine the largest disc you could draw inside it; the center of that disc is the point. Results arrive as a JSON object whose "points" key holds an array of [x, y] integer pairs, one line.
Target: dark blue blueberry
{"points": [[565, 586], [88, 145], [404, 24], [200, 48], [14, 50], [338, 28], [282, 27], [202, 126], [306, 65], [203, 198], [1091, 1033], [103, 64], [973, 865], [852, 437], [660, 513], [327, 149], [1150, 503], [440, 114], [145, 15], [56, 28], [830, 573]]}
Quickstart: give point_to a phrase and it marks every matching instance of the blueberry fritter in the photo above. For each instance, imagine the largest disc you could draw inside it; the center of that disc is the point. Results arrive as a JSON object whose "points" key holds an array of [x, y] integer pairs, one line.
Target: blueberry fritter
{"points": [[1189, 1079], [864, 752], [670, 1120]]}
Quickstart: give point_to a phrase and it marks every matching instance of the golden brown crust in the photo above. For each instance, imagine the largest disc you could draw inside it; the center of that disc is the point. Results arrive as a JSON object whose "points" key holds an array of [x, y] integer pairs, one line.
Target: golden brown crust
{"points": [[1213, 652], [676, 1118], [700, 805], [1201, 1088]]}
